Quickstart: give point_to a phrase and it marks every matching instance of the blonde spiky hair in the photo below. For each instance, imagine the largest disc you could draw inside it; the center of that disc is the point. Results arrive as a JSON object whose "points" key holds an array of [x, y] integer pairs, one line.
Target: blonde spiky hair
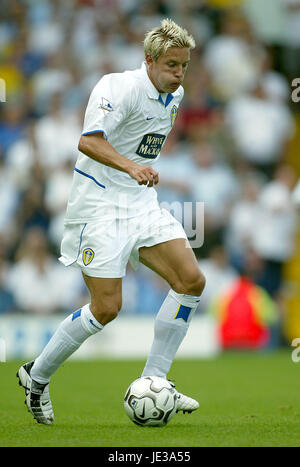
{"points": [[169, 34]]}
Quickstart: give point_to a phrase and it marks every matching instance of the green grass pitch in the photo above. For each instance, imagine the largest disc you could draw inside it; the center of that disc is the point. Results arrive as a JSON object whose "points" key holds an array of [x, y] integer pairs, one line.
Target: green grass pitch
{"points": [[246, 399]]}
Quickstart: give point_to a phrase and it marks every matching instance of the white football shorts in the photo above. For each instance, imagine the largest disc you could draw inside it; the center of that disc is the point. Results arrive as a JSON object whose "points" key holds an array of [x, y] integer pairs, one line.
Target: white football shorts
{"points": [[103, 247]]}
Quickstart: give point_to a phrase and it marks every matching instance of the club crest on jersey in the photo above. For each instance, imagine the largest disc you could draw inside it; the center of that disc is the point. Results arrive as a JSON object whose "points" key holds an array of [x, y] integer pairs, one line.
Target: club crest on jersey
{"points": [[87, 256], [174, 111], [150, 145], [106, 105]]}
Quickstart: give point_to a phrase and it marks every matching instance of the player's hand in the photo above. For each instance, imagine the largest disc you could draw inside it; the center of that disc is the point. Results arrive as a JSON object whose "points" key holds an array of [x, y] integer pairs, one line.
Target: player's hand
{"points": [[144, 175]]}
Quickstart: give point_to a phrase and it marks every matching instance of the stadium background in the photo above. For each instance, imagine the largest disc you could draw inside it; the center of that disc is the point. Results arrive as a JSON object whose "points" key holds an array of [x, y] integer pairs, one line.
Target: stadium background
{"points": [[235, 147]]}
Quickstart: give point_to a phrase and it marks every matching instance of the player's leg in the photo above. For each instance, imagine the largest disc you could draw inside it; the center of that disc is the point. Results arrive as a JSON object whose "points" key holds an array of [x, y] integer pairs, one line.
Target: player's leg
{"points": [[77, 327], [106, 297], [176, 263]]}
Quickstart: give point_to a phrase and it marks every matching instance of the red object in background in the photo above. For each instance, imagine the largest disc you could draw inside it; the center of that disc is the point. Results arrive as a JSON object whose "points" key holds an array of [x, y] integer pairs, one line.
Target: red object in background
{"points": [[86, 2], [241, 313], [195, 116]]}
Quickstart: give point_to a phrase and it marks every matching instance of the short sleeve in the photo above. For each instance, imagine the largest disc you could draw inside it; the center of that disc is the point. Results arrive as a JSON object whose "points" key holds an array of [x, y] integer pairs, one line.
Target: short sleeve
{"points": [[109, 104]]}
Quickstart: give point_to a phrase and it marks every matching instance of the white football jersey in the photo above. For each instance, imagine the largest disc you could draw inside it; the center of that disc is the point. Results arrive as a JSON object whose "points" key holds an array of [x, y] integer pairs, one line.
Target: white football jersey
{"points": [[135, 119]]}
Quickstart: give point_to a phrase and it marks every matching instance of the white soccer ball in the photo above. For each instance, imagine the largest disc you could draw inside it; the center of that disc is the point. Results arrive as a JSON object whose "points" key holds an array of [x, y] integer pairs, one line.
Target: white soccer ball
{"points": [[150, 401]]}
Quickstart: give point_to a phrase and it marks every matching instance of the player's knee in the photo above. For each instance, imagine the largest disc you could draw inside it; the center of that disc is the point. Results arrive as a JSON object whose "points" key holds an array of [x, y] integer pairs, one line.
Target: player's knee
{"points": [[197, 287], [192, 285], [106, 310]]}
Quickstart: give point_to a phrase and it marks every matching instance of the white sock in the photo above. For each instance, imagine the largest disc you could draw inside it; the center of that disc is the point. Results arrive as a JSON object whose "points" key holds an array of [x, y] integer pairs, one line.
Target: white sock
{"points": [[171, 324], [69, 336]]}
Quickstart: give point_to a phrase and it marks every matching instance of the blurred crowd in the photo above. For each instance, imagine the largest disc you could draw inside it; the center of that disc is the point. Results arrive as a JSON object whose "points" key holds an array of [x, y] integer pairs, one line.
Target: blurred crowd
{"points": [[227, 149]]}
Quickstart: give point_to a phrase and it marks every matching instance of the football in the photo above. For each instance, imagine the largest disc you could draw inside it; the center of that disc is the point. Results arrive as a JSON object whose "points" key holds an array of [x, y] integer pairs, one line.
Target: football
{"points": [[150, 401]]}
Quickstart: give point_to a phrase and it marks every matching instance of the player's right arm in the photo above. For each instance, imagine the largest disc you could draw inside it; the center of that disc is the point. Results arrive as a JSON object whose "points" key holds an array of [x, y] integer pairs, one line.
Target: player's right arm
{"points": [[99, 149]]}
